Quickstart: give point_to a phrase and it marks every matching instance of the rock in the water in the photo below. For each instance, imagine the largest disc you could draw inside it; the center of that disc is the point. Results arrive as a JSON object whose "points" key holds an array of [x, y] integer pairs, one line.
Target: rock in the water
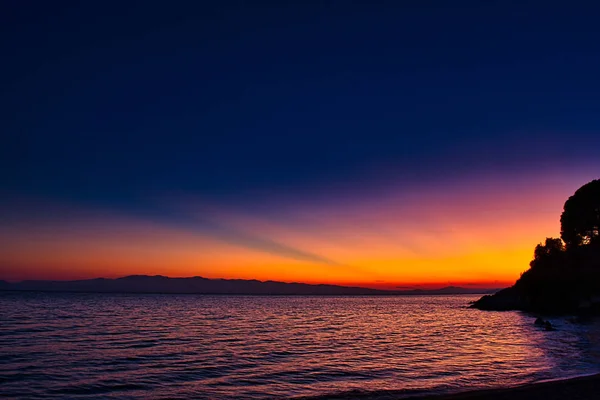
{"points": [[504, 300], [539, 321], [548, 326]]}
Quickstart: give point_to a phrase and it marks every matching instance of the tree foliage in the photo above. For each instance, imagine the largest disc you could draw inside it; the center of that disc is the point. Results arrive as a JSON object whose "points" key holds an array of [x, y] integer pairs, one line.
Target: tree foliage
{"points": [[549, 253], [551, 247], [580, 220], [565, 273], [567, 268]]}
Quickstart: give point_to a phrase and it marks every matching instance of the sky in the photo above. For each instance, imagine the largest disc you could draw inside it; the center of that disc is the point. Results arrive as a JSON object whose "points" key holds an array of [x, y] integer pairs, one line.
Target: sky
{"points": [[380, 144]]}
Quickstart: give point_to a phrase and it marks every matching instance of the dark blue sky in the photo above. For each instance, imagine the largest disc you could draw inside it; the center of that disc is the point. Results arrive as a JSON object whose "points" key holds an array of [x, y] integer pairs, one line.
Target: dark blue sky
{"points": [[109, 102]]}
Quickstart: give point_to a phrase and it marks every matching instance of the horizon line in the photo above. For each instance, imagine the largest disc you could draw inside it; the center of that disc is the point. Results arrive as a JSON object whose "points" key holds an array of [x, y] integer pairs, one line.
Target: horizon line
{"points": [[391, 287]]}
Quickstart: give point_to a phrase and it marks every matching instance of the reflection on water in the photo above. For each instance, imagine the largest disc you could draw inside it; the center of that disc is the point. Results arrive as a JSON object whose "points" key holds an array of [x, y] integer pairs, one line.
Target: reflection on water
{"points": [[165, 346]]}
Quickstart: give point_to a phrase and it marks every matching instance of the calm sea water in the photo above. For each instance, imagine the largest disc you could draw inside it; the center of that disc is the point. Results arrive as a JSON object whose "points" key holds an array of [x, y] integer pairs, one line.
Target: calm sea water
{"points": [[165, 346]]}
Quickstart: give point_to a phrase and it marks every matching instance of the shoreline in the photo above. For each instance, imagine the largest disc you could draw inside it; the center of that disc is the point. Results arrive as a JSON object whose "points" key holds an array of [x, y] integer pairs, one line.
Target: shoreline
{"points": [[576, 388], [585, 387]]}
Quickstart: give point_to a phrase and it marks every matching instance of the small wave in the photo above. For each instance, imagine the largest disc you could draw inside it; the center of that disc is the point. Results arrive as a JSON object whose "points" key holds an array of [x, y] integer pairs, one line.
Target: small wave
{"points": [[370, 394], [137, 347], [91, 389]]}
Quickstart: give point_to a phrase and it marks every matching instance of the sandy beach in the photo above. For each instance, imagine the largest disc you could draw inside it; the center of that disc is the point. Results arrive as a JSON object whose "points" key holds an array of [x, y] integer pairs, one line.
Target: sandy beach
{"points": [[580, 388]]}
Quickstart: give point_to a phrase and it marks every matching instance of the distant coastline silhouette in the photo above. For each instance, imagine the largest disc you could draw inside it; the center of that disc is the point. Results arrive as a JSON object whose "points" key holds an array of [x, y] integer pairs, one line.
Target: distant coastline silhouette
{"points": [[200, 285], [564, 275]]}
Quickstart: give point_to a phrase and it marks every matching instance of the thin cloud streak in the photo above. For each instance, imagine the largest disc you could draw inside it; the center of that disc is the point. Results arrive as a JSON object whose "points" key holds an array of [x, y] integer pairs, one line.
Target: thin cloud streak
{"points": [[252, 241], [255, 242]]}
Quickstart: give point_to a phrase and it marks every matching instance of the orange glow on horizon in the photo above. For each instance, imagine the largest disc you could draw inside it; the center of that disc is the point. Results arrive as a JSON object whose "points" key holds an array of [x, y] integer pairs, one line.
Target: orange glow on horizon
{"points": [[472, 236]]}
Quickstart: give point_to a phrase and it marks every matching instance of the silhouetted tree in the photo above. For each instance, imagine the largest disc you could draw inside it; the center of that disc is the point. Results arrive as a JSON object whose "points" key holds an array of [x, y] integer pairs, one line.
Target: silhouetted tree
{"points": [[550, 252], [565, 274], [580, 220], [551, 247]]}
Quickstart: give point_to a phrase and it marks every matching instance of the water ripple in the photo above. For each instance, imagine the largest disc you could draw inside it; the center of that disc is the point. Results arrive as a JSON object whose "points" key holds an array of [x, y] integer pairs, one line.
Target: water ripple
{"points": [[140, 346]]}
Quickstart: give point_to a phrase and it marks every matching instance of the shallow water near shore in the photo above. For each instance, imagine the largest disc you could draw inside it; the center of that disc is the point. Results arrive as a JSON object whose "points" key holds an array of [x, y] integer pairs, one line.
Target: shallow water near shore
{"points": [[190, 346]]}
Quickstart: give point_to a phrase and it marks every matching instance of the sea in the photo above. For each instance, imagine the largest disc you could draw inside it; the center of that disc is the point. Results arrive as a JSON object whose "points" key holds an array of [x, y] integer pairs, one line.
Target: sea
{"points": [[125, 346]]}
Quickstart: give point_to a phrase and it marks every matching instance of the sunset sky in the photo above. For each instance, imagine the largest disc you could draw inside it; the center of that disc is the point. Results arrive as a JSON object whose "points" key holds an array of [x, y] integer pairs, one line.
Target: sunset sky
{"points": [[336, 143]]}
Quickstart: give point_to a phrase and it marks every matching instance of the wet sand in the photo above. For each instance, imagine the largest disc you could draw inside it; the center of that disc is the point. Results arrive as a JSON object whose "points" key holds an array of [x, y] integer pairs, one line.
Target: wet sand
{"points": [[580, 388]]}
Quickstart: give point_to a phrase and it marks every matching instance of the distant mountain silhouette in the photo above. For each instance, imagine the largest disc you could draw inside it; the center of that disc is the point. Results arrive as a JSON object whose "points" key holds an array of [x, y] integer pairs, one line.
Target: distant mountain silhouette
{"points": [[199, 285]]}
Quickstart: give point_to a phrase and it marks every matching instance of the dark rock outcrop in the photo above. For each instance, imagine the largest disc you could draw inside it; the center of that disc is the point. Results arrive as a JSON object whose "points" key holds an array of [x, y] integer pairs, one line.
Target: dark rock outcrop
{"points": [[564, 275], [504, 300], [572, 290]]}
